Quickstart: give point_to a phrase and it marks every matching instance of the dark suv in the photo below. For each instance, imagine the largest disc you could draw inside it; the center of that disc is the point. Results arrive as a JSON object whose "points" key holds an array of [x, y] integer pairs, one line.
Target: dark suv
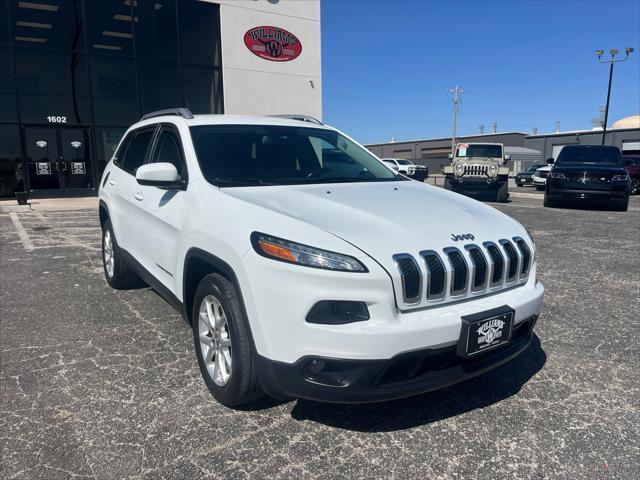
{"points": [[632, 163], [588, 174]]}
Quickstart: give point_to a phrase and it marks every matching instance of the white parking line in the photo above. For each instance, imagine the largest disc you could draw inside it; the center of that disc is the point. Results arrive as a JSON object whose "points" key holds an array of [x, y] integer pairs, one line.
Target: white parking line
{"points": [[22, 233]]}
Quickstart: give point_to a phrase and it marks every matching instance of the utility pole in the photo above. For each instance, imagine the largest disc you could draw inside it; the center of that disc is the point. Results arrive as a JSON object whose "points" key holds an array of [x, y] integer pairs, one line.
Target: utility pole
{"points": [[613, 52], [481, 129], [456, 92]]}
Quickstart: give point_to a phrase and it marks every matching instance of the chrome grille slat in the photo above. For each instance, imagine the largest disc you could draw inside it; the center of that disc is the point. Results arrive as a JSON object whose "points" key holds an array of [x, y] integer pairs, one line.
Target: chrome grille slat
{"points": [[459, 271], [411, 278], [455, 273], [480, 266], [525, 252], [513, 261], [436, 275]]}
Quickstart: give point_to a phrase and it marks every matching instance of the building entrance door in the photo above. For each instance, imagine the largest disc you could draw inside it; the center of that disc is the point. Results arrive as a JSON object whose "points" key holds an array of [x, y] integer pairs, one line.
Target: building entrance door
{"points": [[58, 159]]}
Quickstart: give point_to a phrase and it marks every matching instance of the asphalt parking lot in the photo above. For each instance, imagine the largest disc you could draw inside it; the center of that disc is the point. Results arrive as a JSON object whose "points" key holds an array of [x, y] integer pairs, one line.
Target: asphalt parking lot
{"points": [[100, 383]]}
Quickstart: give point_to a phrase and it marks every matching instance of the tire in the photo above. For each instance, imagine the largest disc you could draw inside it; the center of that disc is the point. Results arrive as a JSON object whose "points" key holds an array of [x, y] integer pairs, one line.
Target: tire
{"points": [[448, 183], [116, 271], [548, 203], [519, 185], [222, 342], [621, 206], [634, 185], [502, 194], [539, 188]]}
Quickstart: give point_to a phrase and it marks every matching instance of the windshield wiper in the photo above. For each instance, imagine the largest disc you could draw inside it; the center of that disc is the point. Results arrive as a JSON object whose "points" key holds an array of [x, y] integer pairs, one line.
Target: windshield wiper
{"points": [[238, 182]]}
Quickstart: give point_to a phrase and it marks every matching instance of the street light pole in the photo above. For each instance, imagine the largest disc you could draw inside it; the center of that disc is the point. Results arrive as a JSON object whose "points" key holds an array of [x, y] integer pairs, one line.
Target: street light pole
{"points": [[613, 53], [456, 91]]}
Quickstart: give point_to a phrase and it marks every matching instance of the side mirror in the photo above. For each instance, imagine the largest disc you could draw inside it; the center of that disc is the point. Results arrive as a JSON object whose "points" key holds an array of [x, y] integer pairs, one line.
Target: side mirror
{"points": [[550, 161], [628, 162], [450, 156], [161, 175], [507, 157]]}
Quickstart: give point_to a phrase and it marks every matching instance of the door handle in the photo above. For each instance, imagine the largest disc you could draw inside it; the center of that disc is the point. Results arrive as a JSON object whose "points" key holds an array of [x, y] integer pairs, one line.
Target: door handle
{"points": [[112, 181], [138, 196]]}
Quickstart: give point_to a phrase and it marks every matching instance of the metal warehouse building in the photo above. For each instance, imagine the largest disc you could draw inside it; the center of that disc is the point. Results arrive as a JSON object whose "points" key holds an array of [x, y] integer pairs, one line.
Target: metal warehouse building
{"points": [[524, 149], [74, 74]]}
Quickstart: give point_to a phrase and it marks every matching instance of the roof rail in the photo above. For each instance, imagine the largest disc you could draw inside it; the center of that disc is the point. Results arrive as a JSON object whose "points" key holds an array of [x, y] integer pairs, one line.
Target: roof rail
{"points": [[181, 112], [297, 116]]}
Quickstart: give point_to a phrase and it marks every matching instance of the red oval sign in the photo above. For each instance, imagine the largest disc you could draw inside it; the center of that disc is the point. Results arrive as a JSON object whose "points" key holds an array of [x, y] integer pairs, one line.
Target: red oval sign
{"points": [[272, 43]]}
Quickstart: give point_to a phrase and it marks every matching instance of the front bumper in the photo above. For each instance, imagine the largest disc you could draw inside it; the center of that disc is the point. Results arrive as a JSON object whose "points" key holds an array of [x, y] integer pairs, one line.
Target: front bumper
{"points": [[586, 196], [407, 374]]}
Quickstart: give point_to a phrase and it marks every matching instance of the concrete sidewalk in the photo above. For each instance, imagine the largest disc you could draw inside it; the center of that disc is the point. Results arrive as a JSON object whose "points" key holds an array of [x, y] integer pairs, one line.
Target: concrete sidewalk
{"points": [[46, 204]]}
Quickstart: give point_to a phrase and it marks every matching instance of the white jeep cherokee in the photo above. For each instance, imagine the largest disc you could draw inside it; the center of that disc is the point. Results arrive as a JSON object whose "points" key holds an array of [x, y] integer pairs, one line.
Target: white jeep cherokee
{"points": [[290, 250]]}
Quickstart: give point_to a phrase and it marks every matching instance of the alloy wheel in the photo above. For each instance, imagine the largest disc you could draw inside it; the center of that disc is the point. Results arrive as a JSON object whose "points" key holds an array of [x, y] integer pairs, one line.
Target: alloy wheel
{"points": [[107, 250], [215, 340]]}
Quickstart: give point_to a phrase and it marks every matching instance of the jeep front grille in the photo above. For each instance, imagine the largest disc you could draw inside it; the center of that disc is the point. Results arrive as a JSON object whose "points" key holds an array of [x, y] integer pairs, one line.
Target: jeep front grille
{"points": [[453, 273], [476, 170]]}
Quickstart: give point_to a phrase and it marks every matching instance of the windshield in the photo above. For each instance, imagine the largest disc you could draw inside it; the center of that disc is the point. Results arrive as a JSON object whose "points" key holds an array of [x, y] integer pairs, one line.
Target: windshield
{"points": [[466, 150], [404, 162], [249, 155], [533, 168], [590, 156]]}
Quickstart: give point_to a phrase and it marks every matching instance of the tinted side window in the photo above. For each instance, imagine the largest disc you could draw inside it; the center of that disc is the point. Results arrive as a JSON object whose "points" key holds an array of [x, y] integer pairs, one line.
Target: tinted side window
{"points": [[136, 151], [169, 150], [119, 157]]}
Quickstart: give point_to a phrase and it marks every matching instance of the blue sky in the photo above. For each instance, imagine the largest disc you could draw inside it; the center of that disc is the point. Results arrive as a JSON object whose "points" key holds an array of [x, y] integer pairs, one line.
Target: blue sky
{"points": [[386, 65]]}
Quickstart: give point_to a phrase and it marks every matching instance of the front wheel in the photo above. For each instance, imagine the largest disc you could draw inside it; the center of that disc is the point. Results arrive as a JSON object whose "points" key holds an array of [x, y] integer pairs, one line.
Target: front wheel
{"points": [[502, 194], [621, 206], [634, 185], [448, 183], [223, 344], [116, 271]]}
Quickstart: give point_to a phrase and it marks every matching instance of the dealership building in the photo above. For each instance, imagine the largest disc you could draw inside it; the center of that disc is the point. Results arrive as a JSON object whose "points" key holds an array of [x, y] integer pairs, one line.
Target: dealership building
{"points": [[74, 74]]}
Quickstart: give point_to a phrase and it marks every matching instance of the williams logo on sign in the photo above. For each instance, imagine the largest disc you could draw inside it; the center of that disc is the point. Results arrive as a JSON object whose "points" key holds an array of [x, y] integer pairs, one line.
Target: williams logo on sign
{"points": [[273, 43]]}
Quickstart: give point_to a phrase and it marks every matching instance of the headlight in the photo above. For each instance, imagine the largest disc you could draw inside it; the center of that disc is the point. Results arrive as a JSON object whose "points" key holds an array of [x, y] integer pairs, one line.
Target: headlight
{"points": [[557, 175], [493, 170], [620, 178], [285, 251], [459, 169]]}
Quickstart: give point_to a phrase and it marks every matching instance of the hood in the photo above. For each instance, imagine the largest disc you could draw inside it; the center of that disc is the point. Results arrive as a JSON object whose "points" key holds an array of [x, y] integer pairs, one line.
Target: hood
{"points": [[383, 219]]}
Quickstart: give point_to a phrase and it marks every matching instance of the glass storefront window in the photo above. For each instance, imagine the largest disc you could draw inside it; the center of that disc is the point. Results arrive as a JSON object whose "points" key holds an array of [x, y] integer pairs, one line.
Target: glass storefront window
{"points": [[156, 30], [155, 95], [199, 27], [110, 27], [115, 91], [8, 106], [4, 24], [107, 140], [52, 87], [51, 25], [202, 89], [11, 174]]}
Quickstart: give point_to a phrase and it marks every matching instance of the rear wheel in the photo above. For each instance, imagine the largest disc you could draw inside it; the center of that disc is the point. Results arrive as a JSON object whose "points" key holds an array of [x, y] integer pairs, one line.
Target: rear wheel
{"points": [[223, 344], [116, 271]]}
